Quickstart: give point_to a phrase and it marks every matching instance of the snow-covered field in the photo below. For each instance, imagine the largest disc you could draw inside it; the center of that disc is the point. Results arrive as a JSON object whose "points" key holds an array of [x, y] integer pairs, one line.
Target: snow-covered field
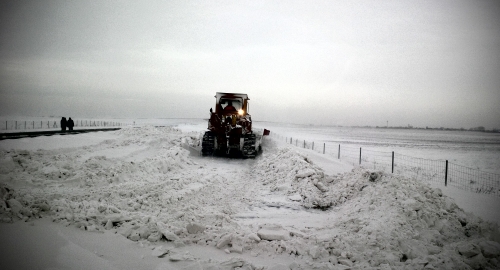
{"points": [[477, 150], [138, 199]]}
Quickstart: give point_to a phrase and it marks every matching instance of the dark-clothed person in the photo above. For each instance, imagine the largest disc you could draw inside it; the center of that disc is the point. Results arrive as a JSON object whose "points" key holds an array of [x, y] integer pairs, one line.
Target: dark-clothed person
{"points": [[229, 108], [70, 124], [63, 124]]}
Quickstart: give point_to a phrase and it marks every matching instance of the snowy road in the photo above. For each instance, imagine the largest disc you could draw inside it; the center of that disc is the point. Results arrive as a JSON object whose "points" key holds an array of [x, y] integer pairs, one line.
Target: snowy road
{"points": [[282, 210]]}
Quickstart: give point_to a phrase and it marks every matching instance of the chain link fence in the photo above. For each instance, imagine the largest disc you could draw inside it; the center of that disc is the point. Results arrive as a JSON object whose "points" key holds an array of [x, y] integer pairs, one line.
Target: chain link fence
{"points": [[438, 171], [10, 125]]}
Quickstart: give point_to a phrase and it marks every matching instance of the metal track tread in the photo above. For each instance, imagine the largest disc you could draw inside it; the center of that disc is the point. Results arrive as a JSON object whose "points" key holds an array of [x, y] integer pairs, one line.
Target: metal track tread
{"points": [[249, 150], [208, 144]]}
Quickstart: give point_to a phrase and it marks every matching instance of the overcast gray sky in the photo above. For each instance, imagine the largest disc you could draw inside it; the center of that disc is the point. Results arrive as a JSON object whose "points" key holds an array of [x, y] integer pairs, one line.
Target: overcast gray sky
{"points": [[424, 63]]}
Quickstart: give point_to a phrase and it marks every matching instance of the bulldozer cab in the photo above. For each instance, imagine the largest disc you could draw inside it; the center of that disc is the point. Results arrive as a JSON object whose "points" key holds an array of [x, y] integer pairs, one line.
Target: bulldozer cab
{"points": [[226, 103], [230, 103]]}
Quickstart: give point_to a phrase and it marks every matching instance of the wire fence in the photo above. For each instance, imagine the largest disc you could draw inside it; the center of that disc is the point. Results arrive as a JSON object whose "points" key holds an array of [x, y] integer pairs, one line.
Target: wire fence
{"points": [[438, 171], [53, 124]]}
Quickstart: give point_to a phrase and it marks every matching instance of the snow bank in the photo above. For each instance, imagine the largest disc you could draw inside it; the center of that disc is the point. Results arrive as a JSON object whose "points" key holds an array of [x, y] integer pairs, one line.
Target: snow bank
{"points": [[296, 175], [145, 186], [383, 219]]}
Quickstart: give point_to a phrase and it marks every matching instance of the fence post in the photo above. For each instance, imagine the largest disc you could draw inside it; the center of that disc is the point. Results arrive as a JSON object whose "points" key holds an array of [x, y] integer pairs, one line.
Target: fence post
{"points": [[360, 156], [446, 174], [324, 144], [392, 161], [290, 140], [339, 152], [304, 144]]}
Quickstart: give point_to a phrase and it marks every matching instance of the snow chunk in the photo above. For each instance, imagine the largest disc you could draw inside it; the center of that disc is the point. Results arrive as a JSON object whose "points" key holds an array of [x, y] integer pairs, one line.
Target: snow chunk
{"points": [[468, 250], [160, 252], [194, 228], [490, 249], [224, 241], [254, 237], [305, 173], [169, 235], [273, 233], [295, 197], [15, 206]]}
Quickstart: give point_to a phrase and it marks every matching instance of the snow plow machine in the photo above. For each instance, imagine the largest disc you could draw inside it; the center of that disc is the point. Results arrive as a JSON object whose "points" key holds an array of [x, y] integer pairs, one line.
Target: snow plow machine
{"points": [[230, 128]]}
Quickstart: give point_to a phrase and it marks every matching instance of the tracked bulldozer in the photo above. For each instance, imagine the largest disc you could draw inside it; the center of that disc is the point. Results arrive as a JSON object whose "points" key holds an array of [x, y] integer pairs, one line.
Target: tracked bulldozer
{"points": [[230, 128]]}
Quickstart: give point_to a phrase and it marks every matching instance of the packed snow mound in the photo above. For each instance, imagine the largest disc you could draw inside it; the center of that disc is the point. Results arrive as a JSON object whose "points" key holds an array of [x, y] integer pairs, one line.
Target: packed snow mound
{"points": [[16, 206], [399, 220], [294, 174], [383, 220], [146, 187]]}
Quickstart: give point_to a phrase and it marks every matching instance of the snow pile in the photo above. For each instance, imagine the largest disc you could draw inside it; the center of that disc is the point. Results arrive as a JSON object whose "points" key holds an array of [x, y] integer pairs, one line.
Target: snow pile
{"points": [[14, 206], [151, 191], [401, 222], [384, 220], [296, 176], [145, 186]]}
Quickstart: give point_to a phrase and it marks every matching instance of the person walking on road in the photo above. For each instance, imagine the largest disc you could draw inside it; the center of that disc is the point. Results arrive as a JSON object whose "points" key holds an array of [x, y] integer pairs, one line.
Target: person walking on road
{"points": [[63, 124], [71, 124]]}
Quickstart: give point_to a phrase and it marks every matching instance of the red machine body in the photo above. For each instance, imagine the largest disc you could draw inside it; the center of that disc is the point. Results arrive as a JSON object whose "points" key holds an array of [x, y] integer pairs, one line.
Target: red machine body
{"points": [[230, 128]]}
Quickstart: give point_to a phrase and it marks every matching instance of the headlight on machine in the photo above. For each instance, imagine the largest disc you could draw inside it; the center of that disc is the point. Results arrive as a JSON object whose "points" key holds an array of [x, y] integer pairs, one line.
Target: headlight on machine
{"points": [[240, 112]]}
